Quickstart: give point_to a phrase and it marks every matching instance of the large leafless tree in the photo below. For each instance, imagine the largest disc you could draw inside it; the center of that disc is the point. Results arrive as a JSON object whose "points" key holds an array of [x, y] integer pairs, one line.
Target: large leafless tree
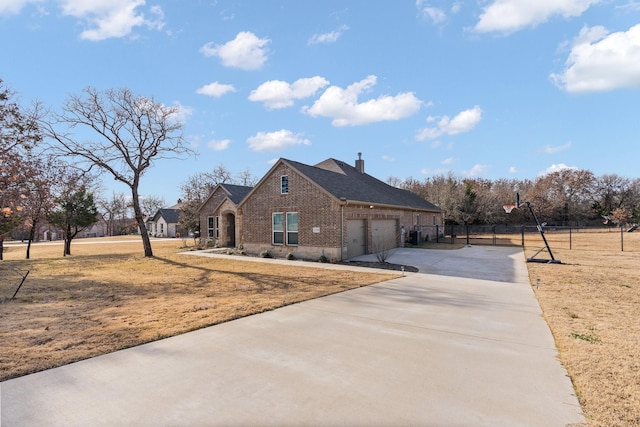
{"points": [[120, 133]]}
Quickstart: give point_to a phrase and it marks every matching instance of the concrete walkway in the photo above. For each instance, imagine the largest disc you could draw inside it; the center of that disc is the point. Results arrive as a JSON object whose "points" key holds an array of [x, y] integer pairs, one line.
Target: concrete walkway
{"points": [[434, 349]]}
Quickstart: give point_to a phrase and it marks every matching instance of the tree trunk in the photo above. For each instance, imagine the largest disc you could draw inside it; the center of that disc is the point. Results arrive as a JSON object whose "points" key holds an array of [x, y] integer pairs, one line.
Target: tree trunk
{"points": [[32, 234], [1, 249], [67, 241], [146, 241], [67, 246]]}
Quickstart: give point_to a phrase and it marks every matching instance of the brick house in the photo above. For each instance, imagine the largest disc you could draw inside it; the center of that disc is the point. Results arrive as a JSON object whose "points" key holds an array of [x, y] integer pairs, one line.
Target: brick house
{"points": [[331, 209], [218, 215]]}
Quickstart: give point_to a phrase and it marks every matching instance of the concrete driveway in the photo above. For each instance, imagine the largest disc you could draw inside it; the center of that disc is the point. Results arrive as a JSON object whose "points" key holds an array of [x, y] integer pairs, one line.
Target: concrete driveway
{"points": [[435, 349]]}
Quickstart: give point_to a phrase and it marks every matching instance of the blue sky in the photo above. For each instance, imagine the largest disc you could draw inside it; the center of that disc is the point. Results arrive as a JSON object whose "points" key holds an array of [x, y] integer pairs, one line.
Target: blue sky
{"points": [[481, 88]]}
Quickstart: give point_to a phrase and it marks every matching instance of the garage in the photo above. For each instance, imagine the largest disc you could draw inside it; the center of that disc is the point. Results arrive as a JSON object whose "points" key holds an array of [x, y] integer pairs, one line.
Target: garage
{"points": [[356, 238], [384, 234]]}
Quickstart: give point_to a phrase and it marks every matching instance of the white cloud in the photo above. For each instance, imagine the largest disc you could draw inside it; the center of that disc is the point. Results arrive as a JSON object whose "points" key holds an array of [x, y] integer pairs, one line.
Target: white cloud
{"points": [[476, 170], [277, 94], [448, 161], [182, 112], [343, 107], [600, 61], [215, 89], [439, 171], [274, 141], [434, 14], [219, 144], [507, 16], [463, 122], [330, 37], [112, 18], [14, 6], [632, 6], [549, 149], [513, 169], [246, 51], [555, 168], [387, 158]]}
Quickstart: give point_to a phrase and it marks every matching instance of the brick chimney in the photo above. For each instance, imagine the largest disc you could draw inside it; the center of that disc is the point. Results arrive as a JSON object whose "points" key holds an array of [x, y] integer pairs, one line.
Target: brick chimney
{"points": [[360, 163]]}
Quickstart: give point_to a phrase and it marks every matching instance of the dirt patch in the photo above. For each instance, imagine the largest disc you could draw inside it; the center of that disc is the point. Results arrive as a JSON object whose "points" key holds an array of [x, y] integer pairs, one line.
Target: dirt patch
{"points": [[381, 265]]}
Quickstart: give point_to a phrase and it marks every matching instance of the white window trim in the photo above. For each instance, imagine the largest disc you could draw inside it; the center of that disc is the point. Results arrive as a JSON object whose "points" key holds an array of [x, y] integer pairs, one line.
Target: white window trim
{"points": [[210, 231], [286, 228], [273, 230]]}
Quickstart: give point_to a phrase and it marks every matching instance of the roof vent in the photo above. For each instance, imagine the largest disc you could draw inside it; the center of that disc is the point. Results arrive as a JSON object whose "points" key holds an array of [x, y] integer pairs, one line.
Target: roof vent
{"points": [[360, 163]]}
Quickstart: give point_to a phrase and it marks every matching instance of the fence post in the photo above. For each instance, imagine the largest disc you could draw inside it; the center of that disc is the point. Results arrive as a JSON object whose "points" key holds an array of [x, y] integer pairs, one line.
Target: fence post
{"points": [[621, 239], [570, 238], [522, 231], [437, 234]]}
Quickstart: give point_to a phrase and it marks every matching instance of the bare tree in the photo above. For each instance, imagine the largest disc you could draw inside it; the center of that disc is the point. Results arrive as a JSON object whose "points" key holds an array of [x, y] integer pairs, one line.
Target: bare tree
{"points": [[151, 204], [247, 179], [133, 132], [564, 196], [612, 192], [45, 176], [115, 212], [220, 174], [196, 190], [19, 130]]}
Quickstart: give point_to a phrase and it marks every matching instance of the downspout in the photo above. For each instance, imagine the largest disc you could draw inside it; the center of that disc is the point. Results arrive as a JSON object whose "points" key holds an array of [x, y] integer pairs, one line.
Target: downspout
{"points": [[344, 203]]}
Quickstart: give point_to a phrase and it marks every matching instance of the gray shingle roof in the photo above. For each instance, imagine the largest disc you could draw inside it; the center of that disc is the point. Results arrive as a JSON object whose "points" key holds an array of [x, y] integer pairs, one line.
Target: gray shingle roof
{"points": [[236, 192], [169, 215], [345, 181]]}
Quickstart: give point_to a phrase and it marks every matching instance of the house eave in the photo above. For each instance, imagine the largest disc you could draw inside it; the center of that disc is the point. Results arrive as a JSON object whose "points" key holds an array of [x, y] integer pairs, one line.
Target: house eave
{"points": [[372, 205]]}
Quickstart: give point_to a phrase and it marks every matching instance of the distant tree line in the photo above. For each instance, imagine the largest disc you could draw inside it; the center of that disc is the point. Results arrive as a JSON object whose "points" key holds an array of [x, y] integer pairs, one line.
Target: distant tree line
{"points": [[568, 197]]}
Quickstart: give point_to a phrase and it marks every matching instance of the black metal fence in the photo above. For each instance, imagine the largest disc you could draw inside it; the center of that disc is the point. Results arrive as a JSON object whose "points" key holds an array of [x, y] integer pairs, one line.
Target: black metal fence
{"points": [[562, 237]]}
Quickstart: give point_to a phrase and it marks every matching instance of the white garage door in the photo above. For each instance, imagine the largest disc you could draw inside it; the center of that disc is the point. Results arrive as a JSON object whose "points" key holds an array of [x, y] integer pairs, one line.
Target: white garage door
{"points": [[384, 233], [356, 237]]}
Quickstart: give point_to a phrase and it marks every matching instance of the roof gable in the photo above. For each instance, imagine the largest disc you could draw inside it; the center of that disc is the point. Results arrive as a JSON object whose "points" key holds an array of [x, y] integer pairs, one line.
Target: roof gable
{"points": [[235, 193], [168, 214], [344, 181]]}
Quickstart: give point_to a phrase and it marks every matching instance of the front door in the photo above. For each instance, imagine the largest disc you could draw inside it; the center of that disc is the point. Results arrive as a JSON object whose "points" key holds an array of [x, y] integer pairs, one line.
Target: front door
{"points": [[231, 230]]}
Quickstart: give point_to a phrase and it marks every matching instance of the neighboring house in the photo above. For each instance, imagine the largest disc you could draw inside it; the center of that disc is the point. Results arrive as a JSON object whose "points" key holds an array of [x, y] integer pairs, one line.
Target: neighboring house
{"points": [[219, 214], [99, 229], [331, 209], [47, 232], [164, 223]]}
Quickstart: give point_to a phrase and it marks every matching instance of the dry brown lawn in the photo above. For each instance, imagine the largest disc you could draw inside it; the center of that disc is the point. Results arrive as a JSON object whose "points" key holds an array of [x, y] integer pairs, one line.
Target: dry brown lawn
{"points": [[592, 304], [107, 297]]}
